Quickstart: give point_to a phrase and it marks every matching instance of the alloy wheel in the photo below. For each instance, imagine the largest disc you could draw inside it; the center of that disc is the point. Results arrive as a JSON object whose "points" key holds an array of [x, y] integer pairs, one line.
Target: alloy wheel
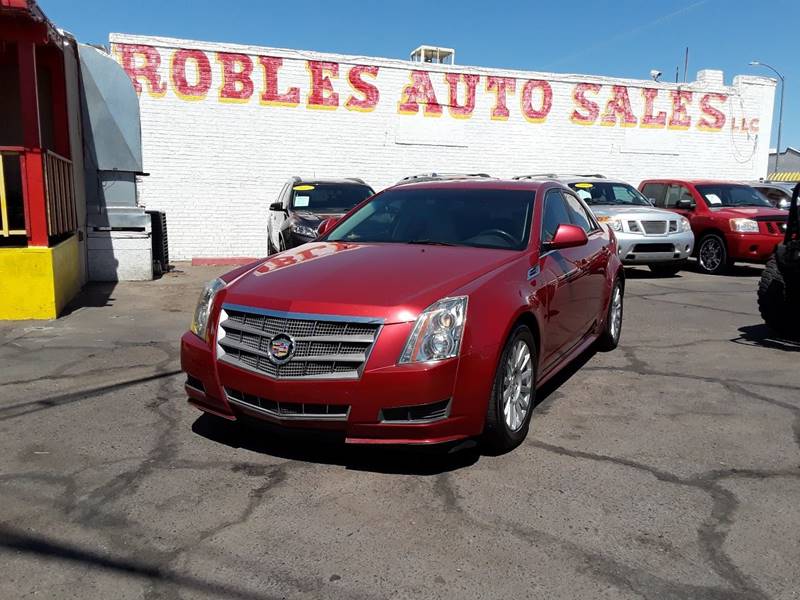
{"points": [[710, 254], [615, 324], [517, 385]]}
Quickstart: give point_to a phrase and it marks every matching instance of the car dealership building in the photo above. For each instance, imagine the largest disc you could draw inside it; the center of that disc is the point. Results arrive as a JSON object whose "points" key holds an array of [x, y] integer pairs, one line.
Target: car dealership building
{"points": [[224, 126]]}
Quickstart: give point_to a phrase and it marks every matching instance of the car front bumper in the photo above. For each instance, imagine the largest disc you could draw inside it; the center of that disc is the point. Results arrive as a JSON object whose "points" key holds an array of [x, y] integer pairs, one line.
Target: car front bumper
{"points": [[357, 409], [752, 247], [636, 249]]}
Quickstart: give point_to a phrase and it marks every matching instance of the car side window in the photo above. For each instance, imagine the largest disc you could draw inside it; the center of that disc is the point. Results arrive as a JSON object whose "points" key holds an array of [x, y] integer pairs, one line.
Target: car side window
{"points": [[579, 215], [657, 192], [677, 193], [555, 214]]}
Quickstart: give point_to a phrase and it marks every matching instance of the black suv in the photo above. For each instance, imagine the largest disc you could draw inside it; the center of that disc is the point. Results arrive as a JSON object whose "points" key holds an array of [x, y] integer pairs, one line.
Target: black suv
{"points": [[304, 203]]}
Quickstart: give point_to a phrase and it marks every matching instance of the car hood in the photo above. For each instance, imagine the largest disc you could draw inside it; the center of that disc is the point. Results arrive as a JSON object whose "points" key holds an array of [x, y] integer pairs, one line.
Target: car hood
{"points": [[751, 212], [393, 282], [636, 212]]}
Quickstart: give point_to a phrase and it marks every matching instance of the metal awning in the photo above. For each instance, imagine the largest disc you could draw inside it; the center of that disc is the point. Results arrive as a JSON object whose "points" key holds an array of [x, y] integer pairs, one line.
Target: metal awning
{"points": [[784, 176]]}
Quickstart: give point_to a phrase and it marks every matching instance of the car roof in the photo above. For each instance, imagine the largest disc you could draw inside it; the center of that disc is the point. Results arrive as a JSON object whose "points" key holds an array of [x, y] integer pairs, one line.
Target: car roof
{"points": [[477, 184], [569, 180], [329, 180], [695, 181], [773, 184]]}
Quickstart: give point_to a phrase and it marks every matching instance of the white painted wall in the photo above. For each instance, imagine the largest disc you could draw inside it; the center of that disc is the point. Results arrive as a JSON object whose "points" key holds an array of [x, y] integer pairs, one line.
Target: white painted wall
{"points": [[215, 166]]}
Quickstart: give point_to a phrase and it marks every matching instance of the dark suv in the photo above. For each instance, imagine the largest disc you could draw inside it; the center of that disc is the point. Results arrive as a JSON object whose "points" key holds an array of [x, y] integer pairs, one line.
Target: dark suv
{"points": [[303, 204]]}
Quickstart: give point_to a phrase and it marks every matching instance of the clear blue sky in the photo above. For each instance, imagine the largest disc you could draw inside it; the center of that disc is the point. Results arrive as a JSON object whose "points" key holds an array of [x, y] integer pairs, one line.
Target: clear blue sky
{"points": [[624, 38]]}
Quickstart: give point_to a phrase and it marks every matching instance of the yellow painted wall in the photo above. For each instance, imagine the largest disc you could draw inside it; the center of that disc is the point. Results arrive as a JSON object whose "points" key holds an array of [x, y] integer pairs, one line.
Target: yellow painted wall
{"points": [[36, 283]]}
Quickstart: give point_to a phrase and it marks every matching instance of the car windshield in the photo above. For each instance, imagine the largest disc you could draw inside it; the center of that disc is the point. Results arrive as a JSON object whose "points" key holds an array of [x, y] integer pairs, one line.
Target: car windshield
{"points": [[608, 193], [482, 218], [328, 197], [719, 195]]}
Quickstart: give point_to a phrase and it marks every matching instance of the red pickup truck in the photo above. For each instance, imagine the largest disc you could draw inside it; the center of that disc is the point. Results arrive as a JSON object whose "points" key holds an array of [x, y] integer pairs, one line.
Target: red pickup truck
{"points": [[731, 221]]}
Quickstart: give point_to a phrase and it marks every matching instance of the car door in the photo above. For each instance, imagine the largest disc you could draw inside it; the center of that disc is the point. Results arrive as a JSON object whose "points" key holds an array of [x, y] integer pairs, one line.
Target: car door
{"points": [[562, 270], [589, 288]]}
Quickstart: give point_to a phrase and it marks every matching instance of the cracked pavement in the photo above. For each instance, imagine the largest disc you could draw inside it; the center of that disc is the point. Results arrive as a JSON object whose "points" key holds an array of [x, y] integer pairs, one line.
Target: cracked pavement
{"points": [[669, 468]]}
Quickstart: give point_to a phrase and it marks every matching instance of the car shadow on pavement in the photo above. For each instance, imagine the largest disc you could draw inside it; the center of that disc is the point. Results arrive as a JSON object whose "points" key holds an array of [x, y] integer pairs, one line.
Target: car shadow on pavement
{"points": [[331, 450], [738, 270], [761, 335]]}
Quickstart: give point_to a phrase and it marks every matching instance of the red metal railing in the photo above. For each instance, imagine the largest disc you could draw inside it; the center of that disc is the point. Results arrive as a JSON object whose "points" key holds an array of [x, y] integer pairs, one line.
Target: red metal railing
{"points": [[60, 194]]}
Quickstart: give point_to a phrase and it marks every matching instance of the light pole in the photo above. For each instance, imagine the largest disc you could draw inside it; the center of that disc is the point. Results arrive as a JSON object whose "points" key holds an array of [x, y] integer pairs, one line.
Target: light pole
{"points": [[756, 63]]}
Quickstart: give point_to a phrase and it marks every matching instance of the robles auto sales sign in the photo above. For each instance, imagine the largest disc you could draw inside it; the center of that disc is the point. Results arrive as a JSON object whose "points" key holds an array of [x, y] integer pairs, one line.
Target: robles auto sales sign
{"points": [[194, 75]]}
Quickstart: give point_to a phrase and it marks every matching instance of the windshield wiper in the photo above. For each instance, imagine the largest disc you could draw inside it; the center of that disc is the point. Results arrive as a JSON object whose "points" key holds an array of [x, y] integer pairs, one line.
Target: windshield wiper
{"points": [[430, 243]]}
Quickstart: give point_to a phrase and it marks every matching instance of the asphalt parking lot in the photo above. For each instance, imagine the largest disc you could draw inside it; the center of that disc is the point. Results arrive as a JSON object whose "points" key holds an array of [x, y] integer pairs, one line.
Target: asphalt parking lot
{"points": [[669, 468]]}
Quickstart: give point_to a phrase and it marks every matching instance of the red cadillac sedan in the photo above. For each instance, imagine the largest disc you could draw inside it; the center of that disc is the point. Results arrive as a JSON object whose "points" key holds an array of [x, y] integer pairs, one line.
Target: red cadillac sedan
{"points": [[430, 313]]}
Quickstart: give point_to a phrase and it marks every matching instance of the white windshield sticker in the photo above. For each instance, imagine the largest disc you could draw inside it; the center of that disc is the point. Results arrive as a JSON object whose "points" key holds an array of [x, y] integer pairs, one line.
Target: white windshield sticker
{"points": [[584, 195], [713, 199], [300, 201]]}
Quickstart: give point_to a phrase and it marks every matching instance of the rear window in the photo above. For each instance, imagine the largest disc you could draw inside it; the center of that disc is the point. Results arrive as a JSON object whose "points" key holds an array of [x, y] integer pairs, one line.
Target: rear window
{"points": [[656, 193], [328, 197], [483, 218]]}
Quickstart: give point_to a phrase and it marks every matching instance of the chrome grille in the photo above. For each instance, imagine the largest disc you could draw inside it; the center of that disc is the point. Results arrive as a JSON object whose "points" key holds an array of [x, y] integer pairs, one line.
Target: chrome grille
{"points": [[325, 346], [654, 227]]}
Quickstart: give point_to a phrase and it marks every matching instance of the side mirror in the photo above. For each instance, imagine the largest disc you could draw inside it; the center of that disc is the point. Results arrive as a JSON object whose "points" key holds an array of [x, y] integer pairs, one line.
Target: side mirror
{"points": [[652, 201], [276, 206], [568, 236], [326, 226], [685, 203]]}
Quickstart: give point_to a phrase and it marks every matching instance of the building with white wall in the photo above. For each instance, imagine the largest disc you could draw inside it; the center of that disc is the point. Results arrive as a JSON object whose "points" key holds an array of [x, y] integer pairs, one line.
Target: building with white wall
{"points": [[225, 125]]}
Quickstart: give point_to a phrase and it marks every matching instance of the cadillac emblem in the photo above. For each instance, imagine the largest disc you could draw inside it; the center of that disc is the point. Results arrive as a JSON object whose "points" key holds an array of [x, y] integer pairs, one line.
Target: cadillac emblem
{"points": [[281, 349]]}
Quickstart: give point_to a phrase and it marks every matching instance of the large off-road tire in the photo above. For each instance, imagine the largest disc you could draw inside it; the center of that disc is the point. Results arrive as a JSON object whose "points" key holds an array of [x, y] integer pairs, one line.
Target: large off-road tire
{"points": [[612, 329], [779, 301], [712, 255], [513, 394], [667, 269]]}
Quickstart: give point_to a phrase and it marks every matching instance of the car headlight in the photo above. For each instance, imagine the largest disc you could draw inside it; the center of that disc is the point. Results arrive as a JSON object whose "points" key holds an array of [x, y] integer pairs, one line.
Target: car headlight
{"points": [[304, 230], [438, 331], [685, 224], [203, 311], [612, 223], [744, 226]]}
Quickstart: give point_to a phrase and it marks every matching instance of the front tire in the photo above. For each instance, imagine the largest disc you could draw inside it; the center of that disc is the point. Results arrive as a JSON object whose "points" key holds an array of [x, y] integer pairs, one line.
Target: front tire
{"points": [[779, 306], [712, 255], [609, 337], [513, 394], [669, 269]]}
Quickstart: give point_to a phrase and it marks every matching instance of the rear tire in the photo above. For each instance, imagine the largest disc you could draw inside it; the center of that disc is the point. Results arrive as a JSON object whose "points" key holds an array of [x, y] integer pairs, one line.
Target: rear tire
{"points": [[612, 330], [712, 255], [668, 269], [778, 304], [513, 396]]}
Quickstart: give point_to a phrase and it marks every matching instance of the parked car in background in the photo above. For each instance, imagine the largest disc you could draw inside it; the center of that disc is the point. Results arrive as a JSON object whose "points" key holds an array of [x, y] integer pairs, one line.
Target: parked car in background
{"points": [[731, 221], [303, 204], [778, 194], [645, 235], [429, 314]]}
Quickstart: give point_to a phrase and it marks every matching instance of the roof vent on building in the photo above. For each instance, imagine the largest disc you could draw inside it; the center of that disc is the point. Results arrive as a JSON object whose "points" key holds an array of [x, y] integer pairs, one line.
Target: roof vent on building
{"points": [[434, 54]]}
